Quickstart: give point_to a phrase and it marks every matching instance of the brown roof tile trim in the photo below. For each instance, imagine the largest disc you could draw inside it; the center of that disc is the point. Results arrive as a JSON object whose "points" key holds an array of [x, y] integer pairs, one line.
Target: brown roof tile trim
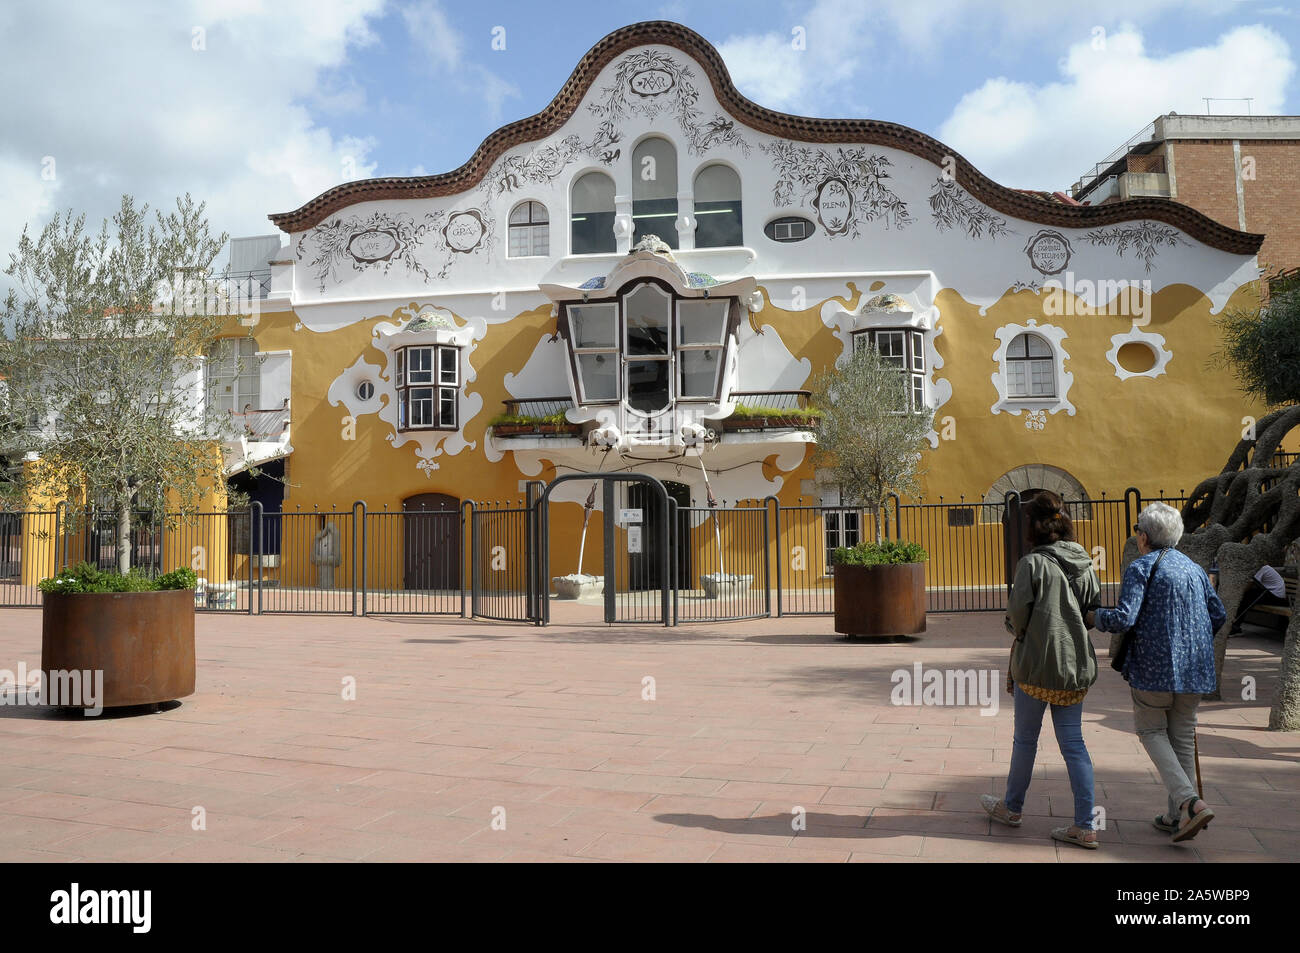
{"points": [[801, 128]]}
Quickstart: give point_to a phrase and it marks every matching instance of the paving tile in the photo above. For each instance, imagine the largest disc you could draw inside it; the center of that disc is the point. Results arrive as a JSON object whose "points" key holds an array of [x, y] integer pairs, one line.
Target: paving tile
{"points": [[549, 724]]}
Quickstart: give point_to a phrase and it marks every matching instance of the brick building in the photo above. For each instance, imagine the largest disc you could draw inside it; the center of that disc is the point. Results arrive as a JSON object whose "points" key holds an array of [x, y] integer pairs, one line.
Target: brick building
{"points": [[1240, 171]]}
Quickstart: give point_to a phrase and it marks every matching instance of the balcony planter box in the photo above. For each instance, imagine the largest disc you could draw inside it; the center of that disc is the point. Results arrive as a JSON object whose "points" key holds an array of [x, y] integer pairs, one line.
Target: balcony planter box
{"points": [[517, 430], [769, 423], [578, 586], [143, 642]]}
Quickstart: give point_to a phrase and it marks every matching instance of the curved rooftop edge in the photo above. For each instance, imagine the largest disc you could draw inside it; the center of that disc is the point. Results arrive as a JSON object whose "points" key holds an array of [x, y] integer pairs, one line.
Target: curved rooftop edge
{"points": [[1009, 201]]}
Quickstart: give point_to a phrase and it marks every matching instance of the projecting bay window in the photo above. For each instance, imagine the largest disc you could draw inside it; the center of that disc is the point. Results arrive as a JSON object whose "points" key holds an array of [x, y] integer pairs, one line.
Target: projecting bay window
{"points": [[701, 334], [428, 382], [904, 348], [594, 330], [649, 348]]}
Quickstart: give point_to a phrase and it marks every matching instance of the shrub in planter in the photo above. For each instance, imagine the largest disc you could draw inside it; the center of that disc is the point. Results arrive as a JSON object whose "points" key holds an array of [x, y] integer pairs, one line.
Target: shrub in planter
{"points": [[880, 588], [134, 628]]}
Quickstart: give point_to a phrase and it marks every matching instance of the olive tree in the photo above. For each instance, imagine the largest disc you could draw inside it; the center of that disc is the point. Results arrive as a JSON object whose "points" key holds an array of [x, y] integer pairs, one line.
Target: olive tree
{"points": [[869, 437], [102, 361]]}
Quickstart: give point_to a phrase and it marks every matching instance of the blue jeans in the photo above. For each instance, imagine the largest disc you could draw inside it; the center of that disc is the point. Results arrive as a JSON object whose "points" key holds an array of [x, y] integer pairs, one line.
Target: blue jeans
{"points": [[1067, 720]]}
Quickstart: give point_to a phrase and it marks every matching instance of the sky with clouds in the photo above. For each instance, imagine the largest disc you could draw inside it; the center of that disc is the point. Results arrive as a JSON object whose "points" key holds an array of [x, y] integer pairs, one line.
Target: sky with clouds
{"points": [[256, 106]]}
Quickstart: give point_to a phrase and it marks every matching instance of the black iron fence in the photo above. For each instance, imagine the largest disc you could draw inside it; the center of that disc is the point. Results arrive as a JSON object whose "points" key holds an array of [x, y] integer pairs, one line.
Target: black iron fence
{"points": [[720, 563]]}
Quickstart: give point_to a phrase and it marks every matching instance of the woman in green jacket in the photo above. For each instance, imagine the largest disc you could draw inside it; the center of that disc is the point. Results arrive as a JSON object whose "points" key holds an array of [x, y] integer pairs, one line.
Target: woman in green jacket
{"points": [[1052, 663]]}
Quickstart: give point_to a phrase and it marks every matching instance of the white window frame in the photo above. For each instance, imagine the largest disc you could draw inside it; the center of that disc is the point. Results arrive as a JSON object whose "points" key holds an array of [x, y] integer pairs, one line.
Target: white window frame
{"points": [[1029, 366], [530, 230], [611, 352], [1055, 338], [435, 388], [912, 359]]}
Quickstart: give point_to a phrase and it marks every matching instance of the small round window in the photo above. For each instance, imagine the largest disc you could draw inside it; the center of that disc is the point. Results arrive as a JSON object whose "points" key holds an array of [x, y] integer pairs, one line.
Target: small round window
{"points": [[791, 228], [365, 390]]}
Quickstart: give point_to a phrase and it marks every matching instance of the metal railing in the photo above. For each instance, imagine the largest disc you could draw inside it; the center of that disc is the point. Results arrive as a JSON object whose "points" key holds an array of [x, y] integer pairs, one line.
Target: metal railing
{"points": [[777, 399], [485, 559], [536, 406]]}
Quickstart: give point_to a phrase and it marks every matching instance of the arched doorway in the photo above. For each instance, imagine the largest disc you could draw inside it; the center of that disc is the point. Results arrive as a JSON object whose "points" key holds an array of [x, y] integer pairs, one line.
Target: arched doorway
{"points": [[1027, 481], [432, 542]]}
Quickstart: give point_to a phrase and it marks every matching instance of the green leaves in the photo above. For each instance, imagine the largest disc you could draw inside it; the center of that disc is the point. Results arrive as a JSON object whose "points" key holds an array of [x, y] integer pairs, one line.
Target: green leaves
{"points": [[1263, 348], [83, 577], [103, 371], [889, 552], [868, 443]]}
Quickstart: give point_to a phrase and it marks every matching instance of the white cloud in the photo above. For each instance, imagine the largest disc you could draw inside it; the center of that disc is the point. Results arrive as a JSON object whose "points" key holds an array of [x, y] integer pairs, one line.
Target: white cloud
{"points": [[846, 39], [200, 97], [444, 49], [1045, 136], [821, 48]]}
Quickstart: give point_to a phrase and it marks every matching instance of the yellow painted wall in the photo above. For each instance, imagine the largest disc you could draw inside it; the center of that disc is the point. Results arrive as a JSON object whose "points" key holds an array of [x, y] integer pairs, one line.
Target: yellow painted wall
{"points": [[1158, 434]]}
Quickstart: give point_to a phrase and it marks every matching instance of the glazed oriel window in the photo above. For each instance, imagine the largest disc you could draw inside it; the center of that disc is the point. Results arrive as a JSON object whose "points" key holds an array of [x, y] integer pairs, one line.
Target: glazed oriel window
{"points": [[701, 332], [1030, 367], [594, 330], [428, 383], [904, 348]]}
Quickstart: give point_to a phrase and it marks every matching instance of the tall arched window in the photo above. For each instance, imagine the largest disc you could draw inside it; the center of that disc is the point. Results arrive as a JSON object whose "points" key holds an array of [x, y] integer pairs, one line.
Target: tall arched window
{"points": [[717, 208], [1031, 370], [654, 190], [592, 214], [530, 230]]}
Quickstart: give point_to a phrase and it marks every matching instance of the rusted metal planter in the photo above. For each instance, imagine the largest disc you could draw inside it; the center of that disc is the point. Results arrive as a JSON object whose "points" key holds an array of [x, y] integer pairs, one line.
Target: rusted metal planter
{"points": [[880, 600], [143, 642]]}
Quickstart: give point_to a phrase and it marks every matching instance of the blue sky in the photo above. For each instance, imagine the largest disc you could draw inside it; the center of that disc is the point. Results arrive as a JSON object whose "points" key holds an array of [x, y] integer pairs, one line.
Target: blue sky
{"points": [[258, 105]]}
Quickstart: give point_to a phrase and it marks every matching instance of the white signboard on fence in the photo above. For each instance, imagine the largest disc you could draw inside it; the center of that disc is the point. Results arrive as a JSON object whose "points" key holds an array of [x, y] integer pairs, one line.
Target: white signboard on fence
{"points": [[634, 539], [629, 516]]}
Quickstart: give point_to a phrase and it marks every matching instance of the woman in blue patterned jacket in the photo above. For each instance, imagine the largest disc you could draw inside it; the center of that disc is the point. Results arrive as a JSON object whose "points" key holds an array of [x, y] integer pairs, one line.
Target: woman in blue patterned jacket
{"points": [[1171, 660]]}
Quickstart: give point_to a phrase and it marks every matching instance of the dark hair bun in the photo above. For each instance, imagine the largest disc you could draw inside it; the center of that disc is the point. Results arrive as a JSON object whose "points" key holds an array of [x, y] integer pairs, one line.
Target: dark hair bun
{"points": [[1048, 521]]}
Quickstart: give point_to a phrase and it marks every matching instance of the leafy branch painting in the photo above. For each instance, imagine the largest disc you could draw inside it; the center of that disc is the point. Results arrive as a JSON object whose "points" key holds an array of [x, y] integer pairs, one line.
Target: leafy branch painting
{"points": [[806, 175]]}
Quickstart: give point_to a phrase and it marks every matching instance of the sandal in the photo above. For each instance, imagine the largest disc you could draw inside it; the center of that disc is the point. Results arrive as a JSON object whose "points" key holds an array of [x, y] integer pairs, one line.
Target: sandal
{"points": [[998, 810], [1163, 823], [1077, 836], [1195, 820]]}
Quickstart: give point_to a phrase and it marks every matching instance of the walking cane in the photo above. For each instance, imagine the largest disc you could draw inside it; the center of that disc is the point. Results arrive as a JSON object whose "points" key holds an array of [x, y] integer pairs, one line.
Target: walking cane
{"points": [[1196, 754]]}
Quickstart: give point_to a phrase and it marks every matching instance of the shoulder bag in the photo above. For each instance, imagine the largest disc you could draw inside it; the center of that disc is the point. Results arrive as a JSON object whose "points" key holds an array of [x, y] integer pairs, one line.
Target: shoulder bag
{"points": [[1119, 651]]}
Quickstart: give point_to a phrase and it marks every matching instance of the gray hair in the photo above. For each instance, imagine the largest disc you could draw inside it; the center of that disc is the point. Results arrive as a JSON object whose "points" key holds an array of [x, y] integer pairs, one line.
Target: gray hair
{"points": [[1163, 525]]}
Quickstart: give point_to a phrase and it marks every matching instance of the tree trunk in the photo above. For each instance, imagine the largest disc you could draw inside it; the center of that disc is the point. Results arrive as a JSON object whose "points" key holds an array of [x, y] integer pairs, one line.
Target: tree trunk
{"points": [[1285, 715], [123, 528]]}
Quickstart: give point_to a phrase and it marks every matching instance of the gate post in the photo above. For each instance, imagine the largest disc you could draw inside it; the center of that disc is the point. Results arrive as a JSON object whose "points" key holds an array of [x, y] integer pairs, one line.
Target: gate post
{"points": [[1013, 542], [780, 555], [468, 506], [359, 538], [767, 565], [673, 542], [1132, 501], [256, 536], [610, 568], [534, 583]]}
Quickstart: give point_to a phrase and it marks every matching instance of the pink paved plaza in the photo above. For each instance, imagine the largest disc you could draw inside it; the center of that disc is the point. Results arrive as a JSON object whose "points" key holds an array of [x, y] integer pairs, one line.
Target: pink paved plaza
{"points": [[469, 741]]}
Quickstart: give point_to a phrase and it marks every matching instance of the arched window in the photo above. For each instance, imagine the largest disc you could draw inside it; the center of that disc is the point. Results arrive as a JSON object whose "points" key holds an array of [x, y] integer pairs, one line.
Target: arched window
{"points": [[717, 208], [654, 190], [1030, 367], [592, 214], [233, 375], [530, 230]]}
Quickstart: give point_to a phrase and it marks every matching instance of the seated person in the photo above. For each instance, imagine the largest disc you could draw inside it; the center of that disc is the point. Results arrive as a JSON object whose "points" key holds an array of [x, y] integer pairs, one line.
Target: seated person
{"points": [[1266, 589]]}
